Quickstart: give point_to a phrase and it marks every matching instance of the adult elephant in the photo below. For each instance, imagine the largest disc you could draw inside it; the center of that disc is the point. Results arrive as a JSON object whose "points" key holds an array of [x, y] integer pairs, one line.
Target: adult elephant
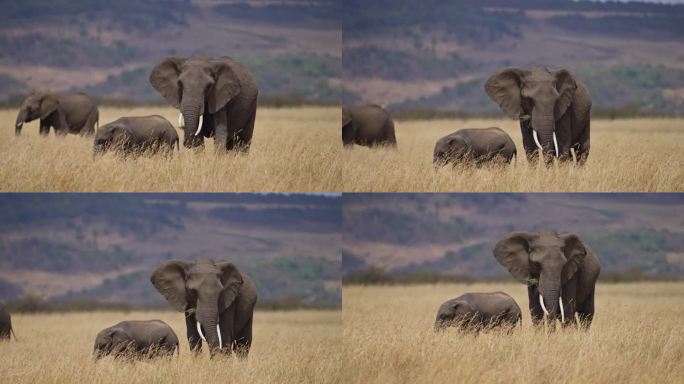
{"points": [[553, 106], [560, 272], [218, 301], [216, 97], [367, 125], [5, 324], [67, 112]]}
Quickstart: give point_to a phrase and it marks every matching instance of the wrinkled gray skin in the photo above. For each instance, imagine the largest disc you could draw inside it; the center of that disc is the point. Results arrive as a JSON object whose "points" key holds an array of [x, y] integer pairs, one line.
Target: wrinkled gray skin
{"points": [[135, 134], [221, 90], [553, 265], [5, 324], [474, 145], [67, 112], [367, 125], [152, 338], [475, 311], [545, 101], [210, 293]]}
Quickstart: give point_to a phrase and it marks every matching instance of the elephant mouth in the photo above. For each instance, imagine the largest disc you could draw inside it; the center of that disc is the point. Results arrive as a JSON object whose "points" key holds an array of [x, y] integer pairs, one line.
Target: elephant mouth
{"points": [[218, 330], [536, 141], [560, 304]]}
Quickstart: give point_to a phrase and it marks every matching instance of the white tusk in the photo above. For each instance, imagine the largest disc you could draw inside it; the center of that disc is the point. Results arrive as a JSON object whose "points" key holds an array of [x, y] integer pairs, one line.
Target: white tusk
{"points": [[19, 125], [181, 120], [199, 126], [560, 301], [541, 301], [536, 139], [218, 330], [199, 329], [555, 143]]}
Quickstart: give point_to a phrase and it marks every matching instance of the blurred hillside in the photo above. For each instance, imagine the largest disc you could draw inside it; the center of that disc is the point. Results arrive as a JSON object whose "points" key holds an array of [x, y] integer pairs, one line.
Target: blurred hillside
{"points": [[431, 54], [107, 48], [634, 235], [104, 247]]}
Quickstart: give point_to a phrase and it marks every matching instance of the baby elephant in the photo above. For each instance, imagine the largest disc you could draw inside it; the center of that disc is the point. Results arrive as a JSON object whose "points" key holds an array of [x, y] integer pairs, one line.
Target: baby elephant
{"points": [[150, 338], [475, 146], [475, 311], [367, 125], [132, 135]]}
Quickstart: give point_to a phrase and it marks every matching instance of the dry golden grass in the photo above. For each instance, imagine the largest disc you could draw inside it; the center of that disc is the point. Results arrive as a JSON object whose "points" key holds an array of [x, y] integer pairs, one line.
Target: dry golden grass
{"points": [[293, 149], [288, 347], [637, 337], [626, 155]]}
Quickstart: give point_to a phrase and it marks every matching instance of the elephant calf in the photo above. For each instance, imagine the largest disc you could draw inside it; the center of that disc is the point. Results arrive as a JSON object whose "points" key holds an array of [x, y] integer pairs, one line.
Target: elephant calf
{"points": [[367, 125], [479, 310], [150, 338], [5, 324], [475, 146], [132, 135]]}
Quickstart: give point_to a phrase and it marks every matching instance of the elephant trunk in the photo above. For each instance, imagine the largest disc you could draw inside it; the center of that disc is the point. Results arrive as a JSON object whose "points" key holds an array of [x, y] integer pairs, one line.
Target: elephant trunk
{"points": [[549, 295], [21, 117], [192, 119], [207, 322], [544, 131]]}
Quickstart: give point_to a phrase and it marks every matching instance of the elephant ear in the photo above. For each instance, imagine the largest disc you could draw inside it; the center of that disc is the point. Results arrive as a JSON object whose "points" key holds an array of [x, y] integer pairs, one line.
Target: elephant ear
{"points": [[504, 88], [575, 251], [226, 86], [164, 78], [566, 86], [231, 278], [513, 253], [48, 104], [169, 279]]}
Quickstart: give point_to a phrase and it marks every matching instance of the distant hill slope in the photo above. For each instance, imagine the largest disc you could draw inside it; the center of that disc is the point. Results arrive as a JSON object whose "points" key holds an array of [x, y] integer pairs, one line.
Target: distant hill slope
{"points": [[438, 55], [105, 246], [108, 48], [455, 234]]}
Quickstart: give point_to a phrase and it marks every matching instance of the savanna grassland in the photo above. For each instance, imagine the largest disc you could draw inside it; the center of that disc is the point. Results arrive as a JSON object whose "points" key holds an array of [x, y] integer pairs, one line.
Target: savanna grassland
{"points": [[289, 347], [637, 337], [293, 149], [641, 154]]}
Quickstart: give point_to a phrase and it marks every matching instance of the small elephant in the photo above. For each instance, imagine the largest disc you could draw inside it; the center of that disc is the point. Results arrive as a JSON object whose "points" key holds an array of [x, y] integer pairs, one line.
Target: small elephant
{"points": [[474, 145], [5, 324], [132, 135], [66, 112], [217, 97], [134, 338], [553, 106], [475, 311], [367, 125], [560, 272], [218, 301]]}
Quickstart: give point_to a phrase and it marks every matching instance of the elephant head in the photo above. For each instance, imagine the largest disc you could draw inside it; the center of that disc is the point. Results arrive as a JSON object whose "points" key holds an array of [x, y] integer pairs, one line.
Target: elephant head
{"points": [[455, 312], [454, 148], [196, 86], [205, 286], [537, 94], [111, 340], [37, 105], [546, 259], [106, 136]]}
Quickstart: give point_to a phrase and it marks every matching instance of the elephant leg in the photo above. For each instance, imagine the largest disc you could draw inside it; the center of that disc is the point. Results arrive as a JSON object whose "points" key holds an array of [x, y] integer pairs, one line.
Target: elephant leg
{"points": [[569, 301], [531, 151], [221, 138], [244, 341], [89, 126], [44, 128], [535, 308], [194, 338], [585, 312], [582, 147], [227, 323], [243, 139]]}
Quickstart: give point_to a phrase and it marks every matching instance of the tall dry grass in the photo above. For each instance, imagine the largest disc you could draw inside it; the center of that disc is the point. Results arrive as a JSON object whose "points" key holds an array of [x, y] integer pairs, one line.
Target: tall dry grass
{"points": [[293, 149], [289, 347], [637, 337], [626, 155]]}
